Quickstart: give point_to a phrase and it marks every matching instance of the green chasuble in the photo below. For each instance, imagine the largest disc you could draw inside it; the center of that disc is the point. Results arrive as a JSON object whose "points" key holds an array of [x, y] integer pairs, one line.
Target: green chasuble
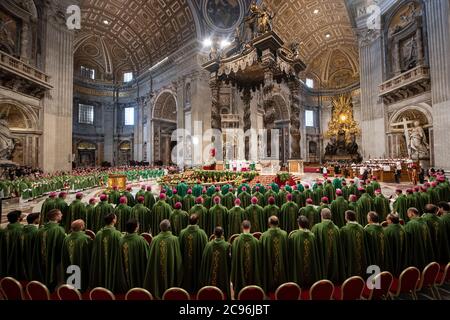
{"points": [[311, 213], [255, 214], [77, 210], [178, 221], [47, 254], [135, 253], [90, 209], [77, 250], [396, 260], [182, 189], [161, 210], [281, 197], [445, 218], [174, 199], [106, 263], [376, 246], [140, 193], [381, 206], [269, 210], [11, 251], [352, 189], [370, 190], [28, 238], [338, 208], [420, 247], [329, 191], [130, 199], [299, 198], [365, 204], [318, 195], [142, 214], [165, 267], [330, 251], [304, 267], [423, 198], [245, 198], [288, 216], [274, 270], [202, 214], [411, 201], [206, 201], [149, 199], [439, 237], [123, 213], [49, 204], [62, 206], [218, 216], [197, 190], [113, 197], [401, 207], [188, 202], [434, 196], [228, 200], [260, 197], [192, 243], [100, 212], [246, 262], [309, 194], [269, 193], [216, 265], [352, 240], [236, 216], [337, 183]]}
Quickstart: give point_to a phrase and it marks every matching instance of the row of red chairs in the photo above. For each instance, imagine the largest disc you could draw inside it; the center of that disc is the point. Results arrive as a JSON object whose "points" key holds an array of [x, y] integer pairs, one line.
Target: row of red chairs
{"points": [[410, 281]]}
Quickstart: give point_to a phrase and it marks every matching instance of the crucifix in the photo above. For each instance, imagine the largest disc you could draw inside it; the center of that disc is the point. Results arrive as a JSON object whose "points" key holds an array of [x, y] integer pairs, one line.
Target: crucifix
{"points": [[405, 129]]}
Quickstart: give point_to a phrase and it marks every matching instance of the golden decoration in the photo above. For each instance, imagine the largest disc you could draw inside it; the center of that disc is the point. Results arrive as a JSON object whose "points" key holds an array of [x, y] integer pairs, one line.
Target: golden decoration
{"points": [[342, 119]]}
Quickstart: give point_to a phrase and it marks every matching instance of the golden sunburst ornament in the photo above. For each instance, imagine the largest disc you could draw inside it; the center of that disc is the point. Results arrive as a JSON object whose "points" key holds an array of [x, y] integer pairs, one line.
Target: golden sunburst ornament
{"points": [[342, 118]]}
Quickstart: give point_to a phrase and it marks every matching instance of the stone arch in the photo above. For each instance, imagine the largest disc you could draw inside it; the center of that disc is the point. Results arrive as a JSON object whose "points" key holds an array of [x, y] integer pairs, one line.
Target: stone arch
{"points": [[281, 107], [165, 106], [19, 116]]}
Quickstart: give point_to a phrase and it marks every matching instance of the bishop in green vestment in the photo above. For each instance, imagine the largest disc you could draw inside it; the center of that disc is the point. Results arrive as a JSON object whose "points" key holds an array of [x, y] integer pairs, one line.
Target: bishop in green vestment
{"points": [[90, 214], [365, 205], [77, 251], [114, 196], [352, 240], [200, 210], [10, 247], [135, 253], [381, 205], [401, 205], [218, 217], [140, 193], [310, 212], [259, 196], [235, 218], [178, 219], [274, 256], [127, 193], [28, 240], [161, 211], [338, 208], [106, 263], [47, 251], [396, 260], [182, 188], [174, 198], [61, 205], [216, 263], [142, 214], [304, 267], [246, 260], [192, 243], [288, 215], [123, 213], [76, 211], [245, 198], [439, 237], [375, 242], [48, 205], [330, 249], [255, 214], [271, 209], [149, 198], [444, 212], [269, 193], [101, 211], [188, 201], [165, 266], [418, 240]]}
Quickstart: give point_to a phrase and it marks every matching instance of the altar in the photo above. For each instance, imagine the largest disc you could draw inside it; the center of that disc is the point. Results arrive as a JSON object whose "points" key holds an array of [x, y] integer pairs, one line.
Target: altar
{"points": [[117, 180]]}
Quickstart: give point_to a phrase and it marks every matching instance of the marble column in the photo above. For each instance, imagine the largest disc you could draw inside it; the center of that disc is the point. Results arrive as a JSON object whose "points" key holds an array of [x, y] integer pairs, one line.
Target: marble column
{"points": [[246, 99], [294, 130], [372, 108], [437, 15]]}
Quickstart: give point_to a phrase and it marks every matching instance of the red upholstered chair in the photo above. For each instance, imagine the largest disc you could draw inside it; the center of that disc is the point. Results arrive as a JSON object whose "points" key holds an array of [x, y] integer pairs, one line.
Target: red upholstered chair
{"points": [[11, 289], [252, 293], [321, 290], [68, 293], [101, 294], [443, 278], [148, 237], [138, 294], [351, 289], [428, 278], [232, 238], [37, 291], [90, 233], [176, 294], [210, 293], [257, 235], [384, 280], [406, 283], [288, 291]]}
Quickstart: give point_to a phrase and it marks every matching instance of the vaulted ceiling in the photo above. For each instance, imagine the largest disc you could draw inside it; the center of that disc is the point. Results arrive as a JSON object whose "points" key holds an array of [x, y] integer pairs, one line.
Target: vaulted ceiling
{"points": [[132, 35], [323, 30]]}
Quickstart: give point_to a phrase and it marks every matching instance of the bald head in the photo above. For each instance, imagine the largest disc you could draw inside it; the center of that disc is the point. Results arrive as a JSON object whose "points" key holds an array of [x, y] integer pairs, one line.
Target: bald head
{"points": [[77, 225], [325, 214], [164, 225], [273, 221]]}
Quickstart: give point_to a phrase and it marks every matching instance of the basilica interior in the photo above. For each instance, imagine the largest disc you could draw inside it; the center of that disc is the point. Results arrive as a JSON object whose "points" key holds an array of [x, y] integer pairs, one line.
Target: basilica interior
{"points": [[113, 84]]}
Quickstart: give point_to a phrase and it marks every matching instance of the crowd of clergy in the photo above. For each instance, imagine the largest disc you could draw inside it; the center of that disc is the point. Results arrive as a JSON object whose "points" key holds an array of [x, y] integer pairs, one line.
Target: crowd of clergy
{"points": [[229, 237]]}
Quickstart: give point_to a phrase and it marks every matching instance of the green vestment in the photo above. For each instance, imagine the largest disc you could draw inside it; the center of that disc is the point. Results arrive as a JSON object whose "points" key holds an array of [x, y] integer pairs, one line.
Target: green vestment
{"points": [[274, 258], [77, 251], [352, 240], [178, 221], [135, 253]]}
